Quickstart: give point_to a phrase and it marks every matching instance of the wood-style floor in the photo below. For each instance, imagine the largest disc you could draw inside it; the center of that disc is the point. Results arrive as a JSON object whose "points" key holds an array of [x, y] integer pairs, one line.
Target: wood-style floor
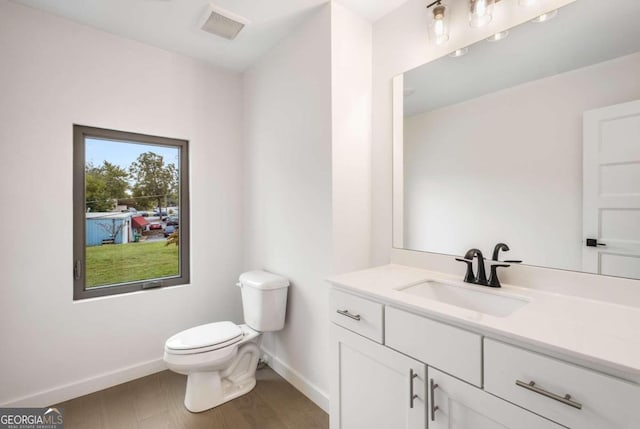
{"points": [[156, 402]]}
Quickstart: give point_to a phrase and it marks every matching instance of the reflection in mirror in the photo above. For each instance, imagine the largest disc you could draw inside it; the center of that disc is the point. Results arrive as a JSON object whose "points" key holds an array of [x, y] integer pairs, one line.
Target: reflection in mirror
{"points": [[533, 140]]}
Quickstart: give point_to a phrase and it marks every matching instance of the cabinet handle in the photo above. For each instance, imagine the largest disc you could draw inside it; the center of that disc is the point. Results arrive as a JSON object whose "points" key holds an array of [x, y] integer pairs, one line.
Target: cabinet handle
{"points": [[412, 395], [566, 399], [432, 388], [346, 313]]}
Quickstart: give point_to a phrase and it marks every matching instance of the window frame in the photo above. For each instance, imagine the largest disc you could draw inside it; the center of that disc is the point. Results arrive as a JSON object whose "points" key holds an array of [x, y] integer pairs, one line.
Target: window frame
{"points": [[80, 133]]}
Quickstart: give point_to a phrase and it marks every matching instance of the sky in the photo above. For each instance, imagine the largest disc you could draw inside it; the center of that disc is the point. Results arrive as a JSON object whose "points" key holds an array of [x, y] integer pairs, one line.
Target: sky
{"points": [[124, 153]]}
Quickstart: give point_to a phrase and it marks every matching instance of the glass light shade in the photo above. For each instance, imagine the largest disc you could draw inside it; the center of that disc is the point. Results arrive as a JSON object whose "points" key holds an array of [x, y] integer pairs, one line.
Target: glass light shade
{"points": [[480, 12], [439, 24]]}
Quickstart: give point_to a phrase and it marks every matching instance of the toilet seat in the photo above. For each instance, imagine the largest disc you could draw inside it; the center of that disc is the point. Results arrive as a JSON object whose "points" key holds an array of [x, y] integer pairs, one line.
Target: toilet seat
{"points": [[204, 338]]}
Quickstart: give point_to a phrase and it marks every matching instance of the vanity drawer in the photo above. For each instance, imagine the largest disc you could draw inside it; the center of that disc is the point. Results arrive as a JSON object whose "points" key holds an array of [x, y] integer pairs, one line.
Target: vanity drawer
{"points": [[606, 402], [357, 314], [452, 350]]}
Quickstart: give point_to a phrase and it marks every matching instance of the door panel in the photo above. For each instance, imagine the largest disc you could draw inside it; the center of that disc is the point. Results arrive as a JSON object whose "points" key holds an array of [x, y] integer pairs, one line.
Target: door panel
{"points": [[611, 190], [372, 385]]}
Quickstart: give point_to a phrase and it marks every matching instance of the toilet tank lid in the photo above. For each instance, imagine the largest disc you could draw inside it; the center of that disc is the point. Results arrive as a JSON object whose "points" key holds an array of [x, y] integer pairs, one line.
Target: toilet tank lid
{"points": [[263, 280]]}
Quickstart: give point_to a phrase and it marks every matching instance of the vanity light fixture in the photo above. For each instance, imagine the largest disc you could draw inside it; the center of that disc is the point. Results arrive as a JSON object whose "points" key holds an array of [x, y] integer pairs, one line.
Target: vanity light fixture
{"points": [[498, 36], [480, 12], [528, 2], [545, 17], [438, 22], [459, 52]]}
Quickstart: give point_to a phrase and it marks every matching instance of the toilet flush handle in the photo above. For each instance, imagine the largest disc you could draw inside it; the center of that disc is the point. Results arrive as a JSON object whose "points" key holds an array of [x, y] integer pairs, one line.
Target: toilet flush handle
{"points": [[239, 284]]}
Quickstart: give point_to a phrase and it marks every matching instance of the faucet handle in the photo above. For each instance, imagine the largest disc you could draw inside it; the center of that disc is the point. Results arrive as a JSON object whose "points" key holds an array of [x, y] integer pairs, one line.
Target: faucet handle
{"points": [[493, 277], [512, 261], [469, 276]]}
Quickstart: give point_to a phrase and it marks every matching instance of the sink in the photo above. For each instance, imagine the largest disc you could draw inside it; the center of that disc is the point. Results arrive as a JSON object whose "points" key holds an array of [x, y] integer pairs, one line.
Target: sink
{"points": [[463, 296]]}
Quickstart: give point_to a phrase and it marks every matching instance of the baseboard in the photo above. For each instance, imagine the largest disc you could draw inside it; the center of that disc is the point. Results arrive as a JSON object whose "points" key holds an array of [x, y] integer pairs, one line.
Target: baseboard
{"points": [[88, 385], [296, 379]]}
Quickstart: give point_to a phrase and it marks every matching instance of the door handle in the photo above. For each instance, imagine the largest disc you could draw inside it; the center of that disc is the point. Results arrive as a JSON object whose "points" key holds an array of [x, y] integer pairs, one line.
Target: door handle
{"points": [[566, 399], [432, 388], [412, 396], [349, 315], [593, 242]]}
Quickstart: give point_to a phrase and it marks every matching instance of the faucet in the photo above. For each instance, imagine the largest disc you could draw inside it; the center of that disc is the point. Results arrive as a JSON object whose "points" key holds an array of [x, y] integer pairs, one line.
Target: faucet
{"points": [[470, 277], [481, 277]]}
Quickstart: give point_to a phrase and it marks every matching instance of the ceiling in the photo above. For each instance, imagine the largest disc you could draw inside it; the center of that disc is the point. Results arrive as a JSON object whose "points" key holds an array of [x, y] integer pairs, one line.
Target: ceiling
{"points": [[581, 35], [174, 24]]}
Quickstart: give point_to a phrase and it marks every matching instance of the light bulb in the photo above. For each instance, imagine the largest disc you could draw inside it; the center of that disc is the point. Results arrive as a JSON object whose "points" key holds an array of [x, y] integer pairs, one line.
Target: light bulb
{"points": [[480, 12], [438, 27]]}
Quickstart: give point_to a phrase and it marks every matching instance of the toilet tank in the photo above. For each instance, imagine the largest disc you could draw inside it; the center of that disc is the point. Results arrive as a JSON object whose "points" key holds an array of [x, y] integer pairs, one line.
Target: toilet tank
{"points": [[264, 300]]}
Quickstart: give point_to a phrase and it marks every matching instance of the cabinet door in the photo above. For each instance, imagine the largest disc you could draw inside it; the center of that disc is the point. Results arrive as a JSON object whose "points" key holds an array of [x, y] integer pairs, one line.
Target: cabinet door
{"points": [[374, 387], [454, 404]]}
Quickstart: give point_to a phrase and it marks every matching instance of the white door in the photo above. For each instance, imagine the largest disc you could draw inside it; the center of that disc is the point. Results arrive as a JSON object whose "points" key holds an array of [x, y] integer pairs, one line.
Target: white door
{"points": [[611, 190], [374, 387], [458, 405]]}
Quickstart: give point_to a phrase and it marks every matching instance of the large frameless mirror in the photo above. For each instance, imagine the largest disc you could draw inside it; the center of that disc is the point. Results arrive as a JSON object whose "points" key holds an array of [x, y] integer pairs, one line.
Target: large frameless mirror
{"points": [[532, 140]]}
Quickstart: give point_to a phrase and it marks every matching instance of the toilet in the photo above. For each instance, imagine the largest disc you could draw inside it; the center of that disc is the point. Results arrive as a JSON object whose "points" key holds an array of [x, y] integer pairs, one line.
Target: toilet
{"points": [[220, 359]]}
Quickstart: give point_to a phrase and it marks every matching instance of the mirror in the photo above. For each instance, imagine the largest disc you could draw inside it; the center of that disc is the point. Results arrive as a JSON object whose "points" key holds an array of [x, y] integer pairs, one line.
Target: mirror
{"points": [[533, 140]]}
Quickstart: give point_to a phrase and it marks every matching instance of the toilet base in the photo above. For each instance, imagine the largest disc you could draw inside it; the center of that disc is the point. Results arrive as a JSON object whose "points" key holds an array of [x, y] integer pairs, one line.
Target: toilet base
{"points": [[208, 389]]}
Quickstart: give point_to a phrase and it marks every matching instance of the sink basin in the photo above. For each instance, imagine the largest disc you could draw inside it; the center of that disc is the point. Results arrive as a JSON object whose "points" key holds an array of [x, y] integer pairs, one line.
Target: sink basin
{"points": [[465, 297]]}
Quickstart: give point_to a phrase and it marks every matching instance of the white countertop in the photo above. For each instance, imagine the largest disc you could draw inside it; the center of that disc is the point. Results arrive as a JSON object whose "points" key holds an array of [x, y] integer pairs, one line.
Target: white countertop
{"points": [[596, 334]]}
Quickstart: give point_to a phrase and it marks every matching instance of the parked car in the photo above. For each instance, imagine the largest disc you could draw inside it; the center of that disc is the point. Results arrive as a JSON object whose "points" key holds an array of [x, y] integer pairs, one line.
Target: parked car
{"points": [[173, 220], [169, 230], [162, 213], [155, 225]]}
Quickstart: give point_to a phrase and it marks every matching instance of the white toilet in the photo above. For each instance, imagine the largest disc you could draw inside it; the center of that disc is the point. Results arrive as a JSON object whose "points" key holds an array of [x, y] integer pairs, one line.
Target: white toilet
{"points": [[220, 359]]}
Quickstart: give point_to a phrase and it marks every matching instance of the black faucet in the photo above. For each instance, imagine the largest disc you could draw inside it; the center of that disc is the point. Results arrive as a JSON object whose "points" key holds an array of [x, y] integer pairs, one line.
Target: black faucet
{"points": [[481, 277], [470, 277]]}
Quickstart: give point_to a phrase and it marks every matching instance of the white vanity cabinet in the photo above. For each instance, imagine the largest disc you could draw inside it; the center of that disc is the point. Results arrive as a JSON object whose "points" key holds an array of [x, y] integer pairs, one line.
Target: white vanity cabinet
{"points": [[393, 369], [454, 404], [375, 387]]}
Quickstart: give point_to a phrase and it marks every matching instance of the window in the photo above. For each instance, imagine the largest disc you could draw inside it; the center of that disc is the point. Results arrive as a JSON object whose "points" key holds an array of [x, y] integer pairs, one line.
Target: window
{"points": [[131, 212]]}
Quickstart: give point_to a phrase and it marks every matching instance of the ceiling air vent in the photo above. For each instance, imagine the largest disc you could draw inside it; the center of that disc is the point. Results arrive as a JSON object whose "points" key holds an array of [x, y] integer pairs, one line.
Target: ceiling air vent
{"points": [[223, 23]]}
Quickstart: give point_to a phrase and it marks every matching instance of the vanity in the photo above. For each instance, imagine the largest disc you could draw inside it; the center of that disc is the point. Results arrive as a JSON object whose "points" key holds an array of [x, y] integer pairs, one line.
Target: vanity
{"points": [[412, 348]]}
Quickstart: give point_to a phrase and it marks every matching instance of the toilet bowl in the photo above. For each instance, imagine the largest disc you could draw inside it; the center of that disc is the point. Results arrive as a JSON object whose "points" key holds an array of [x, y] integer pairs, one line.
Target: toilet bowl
{"points": [[220, 359]]}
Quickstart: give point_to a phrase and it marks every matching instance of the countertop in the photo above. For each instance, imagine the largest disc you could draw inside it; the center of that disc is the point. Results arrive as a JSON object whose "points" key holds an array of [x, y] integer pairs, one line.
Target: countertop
{"points": [[595, 334]]}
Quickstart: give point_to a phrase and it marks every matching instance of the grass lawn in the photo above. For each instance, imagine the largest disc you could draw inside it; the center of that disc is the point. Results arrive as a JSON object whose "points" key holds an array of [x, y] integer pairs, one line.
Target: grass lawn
{"points": [[118, 263]]}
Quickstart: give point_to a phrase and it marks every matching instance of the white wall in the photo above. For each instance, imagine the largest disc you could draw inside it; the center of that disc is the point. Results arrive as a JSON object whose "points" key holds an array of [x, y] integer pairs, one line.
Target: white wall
{"points": [[56, 73], [308, 179], [400, 43], [351, 74], [288, 188], [530, 160]]}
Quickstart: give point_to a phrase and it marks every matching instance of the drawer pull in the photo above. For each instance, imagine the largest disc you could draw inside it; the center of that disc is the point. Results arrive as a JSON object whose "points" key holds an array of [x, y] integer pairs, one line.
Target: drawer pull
{"points": [[349, 315], [412, 396], [432, 388], [566, 399]]}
